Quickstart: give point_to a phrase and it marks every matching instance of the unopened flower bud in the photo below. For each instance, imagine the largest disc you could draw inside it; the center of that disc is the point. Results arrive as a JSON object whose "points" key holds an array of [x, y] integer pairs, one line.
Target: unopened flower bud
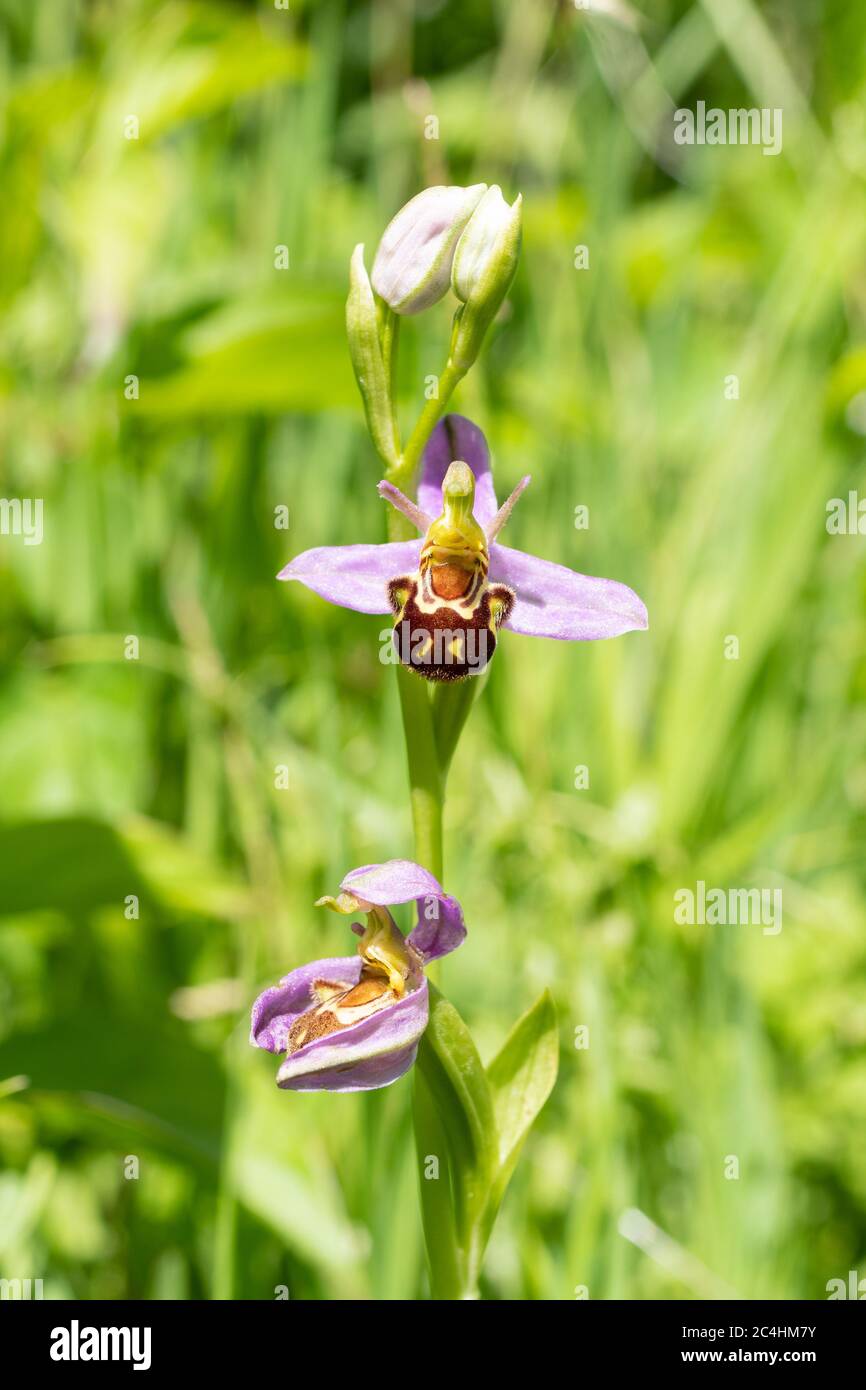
{"points": [[365, 347], [484, 264], [412, 269]]}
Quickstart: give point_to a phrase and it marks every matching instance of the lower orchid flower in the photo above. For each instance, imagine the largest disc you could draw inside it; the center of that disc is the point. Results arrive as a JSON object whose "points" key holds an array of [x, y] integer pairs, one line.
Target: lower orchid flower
{"points": [[452, 591], [353, 1023]]}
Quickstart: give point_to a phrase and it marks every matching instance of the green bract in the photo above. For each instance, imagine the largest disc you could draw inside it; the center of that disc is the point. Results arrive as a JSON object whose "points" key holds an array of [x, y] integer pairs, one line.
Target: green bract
{"points": [[475, 1119], [368, 360]]}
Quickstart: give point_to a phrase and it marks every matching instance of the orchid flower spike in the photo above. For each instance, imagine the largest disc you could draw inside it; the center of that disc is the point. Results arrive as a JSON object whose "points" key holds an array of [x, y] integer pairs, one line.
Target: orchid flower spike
{"points": [[353, 1023], [452, 591]]}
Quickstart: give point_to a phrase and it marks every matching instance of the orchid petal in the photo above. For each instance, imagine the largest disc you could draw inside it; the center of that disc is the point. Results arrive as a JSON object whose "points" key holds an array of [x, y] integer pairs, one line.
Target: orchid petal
{"points": [[440, 927], [369, 1074], [422, 521], [276, 1008], [354, 576], [495, 526], [364, 1056], [552, 601], [396, 881], [455, 437]]}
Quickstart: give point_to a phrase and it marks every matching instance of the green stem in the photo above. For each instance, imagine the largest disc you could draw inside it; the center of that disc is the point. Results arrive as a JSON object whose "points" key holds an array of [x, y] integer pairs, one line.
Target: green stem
{"points": [[427, 421], [426, 792], [432, 725], [432, 728], [425, 779], [389, 335]]}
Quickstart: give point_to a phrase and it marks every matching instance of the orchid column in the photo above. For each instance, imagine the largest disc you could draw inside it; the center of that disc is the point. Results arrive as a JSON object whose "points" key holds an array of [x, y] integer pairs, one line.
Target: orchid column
{"points": [[451, 590]]}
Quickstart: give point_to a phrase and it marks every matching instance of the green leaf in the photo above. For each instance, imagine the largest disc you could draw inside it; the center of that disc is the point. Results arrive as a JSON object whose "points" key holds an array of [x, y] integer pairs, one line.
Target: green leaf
{"points": [[521, 1077], [159, 1084], [475, 1123], [451, 703], [436, 1192], [456, 1076], [454, 1123]]}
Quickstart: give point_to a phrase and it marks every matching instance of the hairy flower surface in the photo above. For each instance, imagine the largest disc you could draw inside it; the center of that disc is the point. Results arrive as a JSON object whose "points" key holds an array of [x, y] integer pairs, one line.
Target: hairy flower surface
{"points": [[451, 592], [352, 1023]]}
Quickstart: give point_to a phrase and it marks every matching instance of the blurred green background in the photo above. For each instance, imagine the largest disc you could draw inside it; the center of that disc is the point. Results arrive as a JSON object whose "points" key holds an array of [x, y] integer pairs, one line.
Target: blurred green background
{"points": [[160, 778]]}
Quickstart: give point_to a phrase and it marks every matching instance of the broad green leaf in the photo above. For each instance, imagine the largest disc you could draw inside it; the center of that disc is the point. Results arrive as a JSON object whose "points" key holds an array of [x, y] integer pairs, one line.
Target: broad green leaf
{"points": [[458, 1080], [455, 1124], [436, 1193], [475, 1122], [521, 1078]]}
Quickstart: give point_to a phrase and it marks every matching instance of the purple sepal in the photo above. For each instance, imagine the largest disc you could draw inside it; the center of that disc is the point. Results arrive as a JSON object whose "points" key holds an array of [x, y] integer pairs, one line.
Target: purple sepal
{"points": [[455, 437], [552, 601], [354, 576], [440, 928]]}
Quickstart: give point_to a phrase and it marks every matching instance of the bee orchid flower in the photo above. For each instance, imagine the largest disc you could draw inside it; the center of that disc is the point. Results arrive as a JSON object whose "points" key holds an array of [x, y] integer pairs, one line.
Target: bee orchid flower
{"points": [[353, 1023], [451, 591]]}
